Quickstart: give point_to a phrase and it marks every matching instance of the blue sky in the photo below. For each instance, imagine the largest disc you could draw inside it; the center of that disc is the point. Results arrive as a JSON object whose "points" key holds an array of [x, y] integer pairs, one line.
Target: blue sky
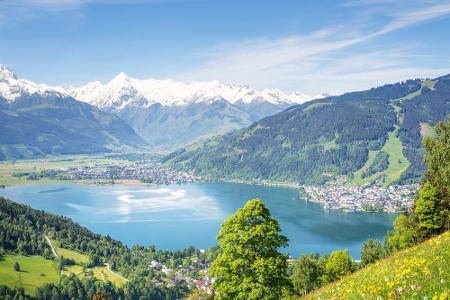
{"points": [[306, 46]]}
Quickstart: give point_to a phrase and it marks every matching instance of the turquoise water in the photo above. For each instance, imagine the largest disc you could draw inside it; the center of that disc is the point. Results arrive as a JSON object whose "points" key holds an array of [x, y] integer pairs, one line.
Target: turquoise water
{"points": [[177, 216]]}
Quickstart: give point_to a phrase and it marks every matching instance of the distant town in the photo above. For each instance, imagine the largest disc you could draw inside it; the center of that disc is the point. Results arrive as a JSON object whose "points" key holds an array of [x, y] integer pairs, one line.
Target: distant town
{"points": [[147, 171], [363, 198]]}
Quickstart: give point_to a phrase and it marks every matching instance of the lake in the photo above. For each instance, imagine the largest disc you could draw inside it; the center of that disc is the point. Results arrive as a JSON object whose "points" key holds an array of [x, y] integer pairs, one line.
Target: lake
{"points": [[177, 216]]}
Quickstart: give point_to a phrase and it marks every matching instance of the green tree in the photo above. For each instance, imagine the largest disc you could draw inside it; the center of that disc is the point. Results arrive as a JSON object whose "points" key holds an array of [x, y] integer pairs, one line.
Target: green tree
{"points": [[427, 212], [437, 160], [338, 264], [249, 265], [371, 251], [403, 236], [16, 267], [431, 211], [306, 273]]}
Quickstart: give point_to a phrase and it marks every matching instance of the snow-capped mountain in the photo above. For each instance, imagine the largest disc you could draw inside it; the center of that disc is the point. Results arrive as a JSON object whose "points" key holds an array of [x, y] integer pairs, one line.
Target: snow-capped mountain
{"points": [[123, 90], [165, 113], [37, 120], [12, 87], [168, 113]]}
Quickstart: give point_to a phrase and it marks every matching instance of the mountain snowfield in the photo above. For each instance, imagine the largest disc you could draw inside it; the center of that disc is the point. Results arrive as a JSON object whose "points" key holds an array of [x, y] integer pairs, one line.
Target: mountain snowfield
{"points": [[12, 87], [166, 113], [123, 90]]}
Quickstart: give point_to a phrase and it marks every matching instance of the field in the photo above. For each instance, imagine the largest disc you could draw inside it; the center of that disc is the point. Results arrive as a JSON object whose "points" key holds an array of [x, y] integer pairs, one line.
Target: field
{"points": [[35, 272], [99, 272], [420, 272], [8, 168], [78, 257], [103, 273]]}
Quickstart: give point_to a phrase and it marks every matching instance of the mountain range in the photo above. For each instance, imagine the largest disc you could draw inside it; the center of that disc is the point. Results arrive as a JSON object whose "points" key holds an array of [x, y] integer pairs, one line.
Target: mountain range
{"points": [[168, 113], [368, 136], [36, 120], [162, 113]]}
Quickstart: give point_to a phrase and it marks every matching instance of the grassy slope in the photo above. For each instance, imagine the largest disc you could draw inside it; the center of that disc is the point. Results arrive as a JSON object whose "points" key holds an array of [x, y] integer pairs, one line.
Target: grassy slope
{"points": [[398, 163], [357, 179], [423, 270], [31, 269], [104, 274], [78, 257], [33, 266], [100, 272]]}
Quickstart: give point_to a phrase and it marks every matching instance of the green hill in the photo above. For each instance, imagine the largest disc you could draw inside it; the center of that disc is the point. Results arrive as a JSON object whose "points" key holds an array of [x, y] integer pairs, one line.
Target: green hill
{"points": [[366, 135], [35, 125], [414, 273]]}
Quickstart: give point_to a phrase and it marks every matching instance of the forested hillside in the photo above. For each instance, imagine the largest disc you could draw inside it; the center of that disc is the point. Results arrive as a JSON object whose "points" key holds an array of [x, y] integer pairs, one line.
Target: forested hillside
{"points": [[369, 135], [55, 124], [22, 241]]}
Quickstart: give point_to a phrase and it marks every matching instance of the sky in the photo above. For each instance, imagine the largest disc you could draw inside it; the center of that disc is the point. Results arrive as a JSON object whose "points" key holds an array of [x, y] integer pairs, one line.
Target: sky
{"points": [[307, 46]]}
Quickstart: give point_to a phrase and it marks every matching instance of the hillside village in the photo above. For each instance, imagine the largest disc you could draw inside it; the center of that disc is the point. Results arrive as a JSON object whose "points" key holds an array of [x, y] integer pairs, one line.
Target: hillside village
{"points": [[363, 197]]}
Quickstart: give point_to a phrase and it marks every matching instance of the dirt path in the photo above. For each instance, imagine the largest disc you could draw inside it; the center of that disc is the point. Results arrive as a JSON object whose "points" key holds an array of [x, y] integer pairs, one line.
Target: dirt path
{"points": [[51, 246], [53, 249]]}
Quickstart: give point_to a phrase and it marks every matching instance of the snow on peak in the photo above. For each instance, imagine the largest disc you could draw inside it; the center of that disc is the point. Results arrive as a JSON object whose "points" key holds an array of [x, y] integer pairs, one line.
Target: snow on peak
{"points": [[6, 74], [121, 77], [124, 90], [12, 87]]}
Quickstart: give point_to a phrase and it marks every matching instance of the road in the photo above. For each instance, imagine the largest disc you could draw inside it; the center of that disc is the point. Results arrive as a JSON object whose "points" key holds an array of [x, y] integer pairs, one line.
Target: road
{"points": [[118, 275]]}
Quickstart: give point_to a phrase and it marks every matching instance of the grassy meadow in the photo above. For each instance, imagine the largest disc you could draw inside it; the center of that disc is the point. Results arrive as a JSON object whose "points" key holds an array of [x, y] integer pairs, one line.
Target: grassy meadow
{"points": [[35, 272], [420, 272]]}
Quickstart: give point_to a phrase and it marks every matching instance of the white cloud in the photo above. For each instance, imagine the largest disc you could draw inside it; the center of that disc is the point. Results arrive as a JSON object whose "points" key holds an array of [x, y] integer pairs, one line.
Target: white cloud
{"points": [[23, 10], [329, 59]]}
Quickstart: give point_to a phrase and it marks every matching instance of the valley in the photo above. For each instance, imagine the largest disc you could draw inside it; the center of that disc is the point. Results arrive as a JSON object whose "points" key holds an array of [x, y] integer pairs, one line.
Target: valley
{"points": [[131, 168], [224, 150]]}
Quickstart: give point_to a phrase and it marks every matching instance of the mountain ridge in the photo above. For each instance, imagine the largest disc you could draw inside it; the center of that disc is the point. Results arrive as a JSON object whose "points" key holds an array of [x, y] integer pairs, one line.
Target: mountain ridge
{"points": [[323, 139], [166, 113], [169, 92], [36, 120]]}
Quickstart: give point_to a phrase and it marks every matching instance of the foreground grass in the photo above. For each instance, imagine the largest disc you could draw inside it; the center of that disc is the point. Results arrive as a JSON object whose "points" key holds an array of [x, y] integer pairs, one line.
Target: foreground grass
{"points": [[420, 272], [35, 272]]}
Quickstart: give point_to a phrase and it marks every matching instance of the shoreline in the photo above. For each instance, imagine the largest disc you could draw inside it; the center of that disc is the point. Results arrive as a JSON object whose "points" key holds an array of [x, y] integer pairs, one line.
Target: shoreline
{"points": [[136, 182]]}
